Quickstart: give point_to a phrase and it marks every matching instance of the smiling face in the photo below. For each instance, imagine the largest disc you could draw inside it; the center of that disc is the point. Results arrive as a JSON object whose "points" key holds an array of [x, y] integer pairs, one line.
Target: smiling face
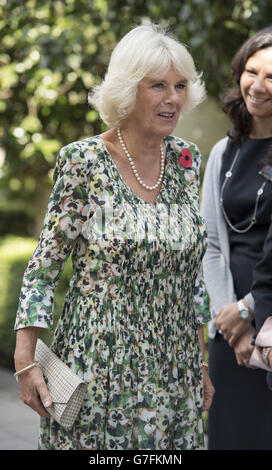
{"points": [[158, 104], [256, 85]]}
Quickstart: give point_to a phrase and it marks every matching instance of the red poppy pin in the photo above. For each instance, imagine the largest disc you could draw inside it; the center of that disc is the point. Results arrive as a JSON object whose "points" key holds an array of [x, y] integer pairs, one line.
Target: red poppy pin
{"points": [[186, 158]]}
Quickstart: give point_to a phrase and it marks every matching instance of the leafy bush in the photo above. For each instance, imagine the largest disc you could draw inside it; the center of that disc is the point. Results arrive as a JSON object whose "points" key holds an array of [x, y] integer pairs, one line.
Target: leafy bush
{"points": [[14, 254], [15, 220]]}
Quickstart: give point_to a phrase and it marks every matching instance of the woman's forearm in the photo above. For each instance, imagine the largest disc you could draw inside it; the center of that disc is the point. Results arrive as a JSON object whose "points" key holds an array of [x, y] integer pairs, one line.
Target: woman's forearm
{"points": [[26, 339], [208, 388]]}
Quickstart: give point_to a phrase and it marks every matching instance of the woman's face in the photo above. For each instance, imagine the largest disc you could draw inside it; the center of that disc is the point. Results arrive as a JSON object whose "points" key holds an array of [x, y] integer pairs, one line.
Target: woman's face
{"points": [[256, 84], [158, 104]]}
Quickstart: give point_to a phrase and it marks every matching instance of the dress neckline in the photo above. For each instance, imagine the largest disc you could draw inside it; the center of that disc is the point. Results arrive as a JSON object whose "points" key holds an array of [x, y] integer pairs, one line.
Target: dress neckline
{"points": [[261, 139], [126, 185]]}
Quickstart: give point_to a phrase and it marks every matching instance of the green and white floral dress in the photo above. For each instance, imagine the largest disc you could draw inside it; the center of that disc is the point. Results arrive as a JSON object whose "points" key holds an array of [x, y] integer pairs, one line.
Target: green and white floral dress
{"points": [[129, 323]]}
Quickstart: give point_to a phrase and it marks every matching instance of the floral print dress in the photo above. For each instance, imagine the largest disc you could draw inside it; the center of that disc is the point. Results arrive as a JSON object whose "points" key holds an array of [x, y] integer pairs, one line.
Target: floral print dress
{"points": [[129, 322]]}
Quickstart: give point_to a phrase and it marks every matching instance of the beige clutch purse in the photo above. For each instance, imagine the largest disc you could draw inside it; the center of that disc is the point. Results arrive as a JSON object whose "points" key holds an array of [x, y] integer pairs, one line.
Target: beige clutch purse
{"points": [[65, 387]]}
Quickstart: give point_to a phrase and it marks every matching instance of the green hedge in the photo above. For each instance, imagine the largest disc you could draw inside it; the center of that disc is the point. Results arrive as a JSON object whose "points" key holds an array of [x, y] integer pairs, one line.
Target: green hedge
{"points": [[15, 219], [14, 254]]}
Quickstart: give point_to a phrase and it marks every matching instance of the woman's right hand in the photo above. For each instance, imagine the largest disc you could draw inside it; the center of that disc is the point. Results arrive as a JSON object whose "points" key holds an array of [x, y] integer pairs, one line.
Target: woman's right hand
{"points": [[33, 389], [34, 392]]}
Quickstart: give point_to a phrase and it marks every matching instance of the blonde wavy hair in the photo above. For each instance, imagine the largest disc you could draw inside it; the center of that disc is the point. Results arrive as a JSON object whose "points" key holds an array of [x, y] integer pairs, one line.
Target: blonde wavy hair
{"points": [[144, 51]]}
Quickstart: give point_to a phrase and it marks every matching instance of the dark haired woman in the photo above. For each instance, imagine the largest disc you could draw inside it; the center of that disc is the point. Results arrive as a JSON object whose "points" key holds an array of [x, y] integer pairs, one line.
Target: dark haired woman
{"points": [[236, 203]]}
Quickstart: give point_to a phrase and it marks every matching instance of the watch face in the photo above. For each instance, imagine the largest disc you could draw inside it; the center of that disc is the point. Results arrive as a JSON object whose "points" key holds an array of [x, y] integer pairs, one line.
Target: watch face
{"points": [[244, 314]]}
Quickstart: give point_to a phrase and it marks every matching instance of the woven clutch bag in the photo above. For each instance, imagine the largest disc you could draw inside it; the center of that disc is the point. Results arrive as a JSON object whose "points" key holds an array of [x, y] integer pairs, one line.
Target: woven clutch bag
{"points": [[65, 387]]}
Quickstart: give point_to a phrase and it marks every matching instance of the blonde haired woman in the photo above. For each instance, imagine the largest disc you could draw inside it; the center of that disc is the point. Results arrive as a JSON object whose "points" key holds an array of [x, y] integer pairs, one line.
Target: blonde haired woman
{"points": [[125, 203]]}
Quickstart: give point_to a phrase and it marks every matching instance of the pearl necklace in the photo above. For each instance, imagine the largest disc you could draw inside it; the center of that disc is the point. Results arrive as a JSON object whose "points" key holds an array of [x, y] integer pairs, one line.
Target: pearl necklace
{"points": [[136, 174]]}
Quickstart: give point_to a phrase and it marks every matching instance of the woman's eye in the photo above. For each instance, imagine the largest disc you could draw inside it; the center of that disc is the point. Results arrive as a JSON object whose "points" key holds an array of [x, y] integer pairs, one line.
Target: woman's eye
{"points": [[158, 85], [251, 72], [181, 86]]}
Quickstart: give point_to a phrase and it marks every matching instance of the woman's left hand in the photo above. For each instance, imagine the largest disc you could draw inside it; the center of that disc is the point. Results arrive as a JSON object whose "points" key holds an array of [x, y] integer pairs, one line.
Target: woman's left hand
{"points": [[208, 390], [230, 324]]}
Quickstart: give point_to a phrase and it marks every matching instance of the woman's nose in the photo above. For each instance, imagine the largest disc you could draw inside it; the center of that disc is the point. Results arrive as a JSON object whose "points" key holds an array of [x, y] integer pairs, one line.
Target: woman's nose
{"points": [[258, 84], [171, 96]]}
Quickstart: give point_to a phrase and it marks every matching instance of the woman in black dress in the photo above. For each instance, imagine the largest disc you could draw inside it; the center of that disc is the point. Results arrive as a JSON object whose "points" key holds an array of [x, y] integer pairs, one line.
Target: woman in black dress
{"points": [[237, 206]]}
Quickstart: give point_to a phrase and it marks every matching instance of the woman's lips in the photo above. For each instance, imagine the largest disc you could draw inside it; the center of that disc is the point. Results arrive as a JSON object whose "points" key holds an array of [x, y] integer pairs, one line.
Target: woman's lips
{"points": [[166, 116], [258, 101]]}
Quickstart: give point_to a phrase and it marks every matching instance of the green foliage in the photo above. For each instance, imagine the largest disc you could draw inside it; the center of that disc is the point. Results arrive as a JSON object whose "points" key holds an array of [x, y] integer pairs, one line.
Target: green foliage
{"points": [[16, 217], [50, 55], [15, 253]]}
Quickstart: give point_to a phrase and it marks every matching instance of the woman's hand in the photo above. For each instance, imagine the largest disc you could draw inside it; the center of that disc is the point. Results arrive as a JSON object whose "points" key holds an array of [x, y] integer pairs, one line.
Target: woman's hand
{"points": [[243, 348], [33, 389], [230, 324], [208, 390], [34, 392]]}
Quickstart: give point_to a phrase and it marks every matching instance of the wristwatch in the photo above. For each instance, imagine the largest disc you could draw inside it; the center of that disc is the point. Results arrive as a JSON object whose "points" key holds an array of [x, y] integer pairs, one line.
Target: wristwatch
{"points": [[244, 312]]}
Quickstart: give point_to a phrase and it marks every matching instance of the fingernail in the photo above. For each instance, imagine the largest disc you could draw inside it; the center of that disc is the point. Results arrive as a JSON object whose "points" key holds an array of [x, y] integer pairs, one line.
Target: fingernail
{"points": [[47, 403]]}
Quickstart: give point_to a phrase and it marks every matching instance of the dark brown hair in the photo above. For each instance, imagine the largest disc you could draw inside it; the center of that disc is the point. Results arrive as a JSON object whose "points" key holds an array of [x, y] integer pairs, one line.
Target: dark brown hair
{"points": [[232, 101]]}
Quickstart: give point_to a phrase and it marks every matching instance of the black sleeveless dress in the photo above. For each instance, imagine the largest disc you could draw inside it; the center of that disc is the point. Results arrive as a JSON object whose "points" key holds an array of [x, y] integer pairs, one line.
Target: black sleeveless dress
{"points": [[240, 417]]}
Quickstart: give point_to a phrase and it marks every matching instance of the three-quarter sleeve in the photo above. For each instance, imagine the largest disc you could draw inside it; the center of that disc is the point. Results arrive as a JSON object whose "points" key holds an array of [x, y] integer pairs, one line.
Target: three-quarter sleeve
{"points": [[62, 225], [201, 298]]}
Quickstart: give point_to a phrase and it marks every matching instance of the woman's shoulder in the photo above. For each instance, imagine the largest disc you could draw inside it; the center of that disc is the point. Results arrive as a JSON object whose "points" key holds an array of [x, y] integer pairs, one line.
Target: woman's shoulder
{"points": [[79, 157], [178, 143], [219, 148], [82, 151], [214, 161]]}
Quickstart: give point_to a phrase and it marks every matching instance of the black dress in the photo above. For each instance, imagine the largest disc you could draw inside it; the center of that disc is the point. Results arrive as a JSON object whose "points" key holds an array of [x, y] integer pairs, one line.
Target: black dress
{"points": [[262, 285], [240, 417]]}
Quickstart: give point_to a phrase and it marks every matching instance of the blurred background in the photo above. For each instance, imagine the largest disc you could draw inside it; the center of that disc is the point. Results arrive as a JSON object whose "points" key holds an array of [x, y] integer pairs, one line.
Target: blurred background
{"points": [[51, 54]]}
